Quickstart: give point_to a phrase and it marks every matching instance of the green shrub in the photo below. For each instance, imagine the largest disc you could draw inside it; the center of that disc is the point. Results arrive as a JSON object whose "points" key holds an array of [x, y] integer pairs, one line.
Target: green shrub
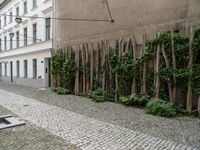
{"points": [[61, 91], [125, 100], [160, 107], [97, 96], [139, 100], [181, 111]]}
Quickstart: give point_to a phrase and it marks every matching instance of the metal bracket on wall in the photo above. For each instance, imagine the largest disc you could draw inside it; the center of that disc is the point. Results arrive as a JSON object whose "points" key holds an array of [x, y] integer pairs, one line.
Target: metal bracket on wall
{"points": [[9, 121]]}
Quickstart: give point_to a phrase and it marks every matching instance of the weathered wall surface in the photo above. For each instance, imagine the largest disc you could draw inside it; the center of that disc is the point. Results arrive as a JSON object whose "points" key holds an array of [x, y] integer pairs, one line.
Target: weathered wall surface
{"points": [[131, 17]]}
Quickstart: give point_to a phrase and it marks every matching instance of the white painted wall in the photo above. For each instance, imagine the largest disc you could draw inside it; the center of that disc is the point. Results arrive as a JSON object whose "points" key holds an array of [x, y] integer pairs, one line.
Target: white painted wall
{"points": [[39, 50]]}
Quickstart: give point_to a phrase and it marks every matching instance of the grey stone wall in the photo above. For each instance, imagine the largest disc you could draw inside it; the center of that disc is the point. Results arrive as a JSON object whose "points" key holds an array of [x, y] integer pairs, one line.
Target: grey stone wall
{"points": [[131, 17]]}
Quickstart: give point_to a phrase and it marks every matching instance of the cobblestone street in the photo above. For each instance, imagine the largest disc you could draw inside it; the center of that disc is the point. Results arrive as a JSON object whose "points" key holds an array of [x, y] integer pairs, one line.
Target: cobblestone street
{"points": [[85, 132], [29, 137]]}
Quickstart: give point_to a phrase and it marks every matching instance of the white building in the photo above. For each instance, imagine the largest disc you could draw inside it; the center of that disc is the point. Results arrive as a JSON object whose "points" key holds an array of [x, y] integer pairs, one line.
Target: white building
{"points": [[25, 57]]}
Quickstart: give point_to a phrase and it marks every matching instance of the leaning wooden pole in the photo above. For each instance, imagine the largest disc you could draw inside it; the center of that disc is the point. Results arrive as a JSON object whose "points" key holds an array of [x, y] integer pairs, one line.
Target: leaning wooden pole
{"points": [[91, 66], [174, 66], [133, 88], [144, 82], [157, 77], [189, 92], [168, 66]]}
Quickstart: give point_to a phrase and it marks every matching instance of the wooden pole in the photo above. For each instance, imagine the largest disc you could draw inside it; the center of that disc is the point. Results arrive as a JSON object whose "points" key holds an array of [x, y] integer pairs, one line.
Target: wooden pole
{"points": [[103, 65], [174, 66], [133, 88], [168, 66], [83, 64], [199, 105], [157, 81], [77, 70], [144, 82], [91, 66], [189, 92], [87, 75]]}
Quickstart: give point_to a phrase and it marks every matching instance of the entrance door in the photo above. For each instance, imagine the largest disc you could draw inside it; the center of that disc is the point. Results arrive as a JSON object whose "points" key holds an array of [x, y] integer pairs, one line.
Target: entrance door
{"points": [[11, 71], [47, 67]]}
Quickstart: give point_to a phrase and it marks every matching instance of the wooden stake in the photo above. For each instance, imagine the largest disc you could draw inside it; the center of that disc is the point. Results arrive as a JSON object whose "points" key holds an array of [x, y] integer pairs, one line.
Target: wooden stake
{"points": [[189, 92], [144, 82], [174, 65], [87, 65], [168, 66], [77, 70], [199, 106], [157, 81], [91, 66], [103, 65], [133, 88], [83, 63]]}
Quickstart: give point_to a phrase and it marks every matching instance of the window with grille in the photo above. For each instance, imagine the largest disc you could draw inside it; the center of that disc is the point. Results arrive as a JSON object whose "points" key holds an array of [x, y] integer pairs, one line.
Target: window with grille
{"points": [[5, 43], [17, 39], [34, 33], [48, 29], [25, 7], [25, 36], [25, 68], [18, 68], [11, 42]]}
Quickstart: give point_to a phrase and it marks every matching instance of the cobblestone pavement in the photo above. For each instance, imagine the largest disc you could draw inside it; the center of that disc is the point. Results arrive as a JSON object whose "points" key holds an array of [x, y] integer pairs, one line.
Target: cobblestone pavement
{"points": [[84, 132], [179, 129], [29, 137]]}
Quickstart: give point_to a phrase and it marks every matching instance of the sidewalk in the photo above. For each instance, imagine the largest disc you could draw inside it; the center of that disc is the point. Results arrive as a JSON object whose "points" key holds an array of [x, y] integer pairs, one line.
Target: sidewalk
{"points": [[29, 137], [82, 131]]}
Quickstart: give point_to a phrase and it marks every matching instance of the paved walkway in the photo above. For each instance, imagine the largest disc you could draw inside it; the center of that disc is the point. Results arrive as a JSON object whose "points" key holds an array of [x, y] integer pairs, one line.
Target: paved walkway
{"points": [[82, 131], [29, 137]]}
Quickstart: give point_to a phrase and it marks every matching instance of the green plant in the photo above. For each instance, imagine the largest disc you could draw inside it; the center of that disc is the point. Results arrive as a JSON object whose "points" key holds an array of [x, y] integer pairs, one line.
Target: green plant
{"points": [[97, 96], [181, 110], [61, 91], [160, 107], [125, 100], [139, 100]]}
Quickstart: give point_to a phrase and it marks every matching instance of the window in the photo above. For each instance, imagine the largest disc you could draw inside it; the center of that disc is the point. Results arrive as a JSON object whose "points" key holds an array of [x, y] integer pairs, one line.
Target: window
{"points": [[34, 68], [5, 19], [18, 72], [5, 69], [17, 39], [11, 42], [0, 69], [5, 43], [25, 7], [25, 36], [17, 11], [0, 45], [48, 28], [25, 68], [34, 33], [34, 3], [11, 16]]}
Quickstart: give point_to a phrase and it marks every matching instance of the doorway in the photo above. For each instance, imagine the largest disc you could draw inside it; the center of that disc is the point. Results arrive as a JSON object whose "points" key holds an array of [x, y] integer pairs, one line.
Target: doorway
{"points": [[47, 68]]}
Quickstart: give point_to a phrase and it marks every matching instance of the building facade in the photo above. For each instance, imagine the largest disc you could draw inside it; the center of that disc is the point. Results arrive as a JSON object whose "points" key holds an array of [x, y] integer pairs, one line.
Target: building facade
{"points": [[131, 17], [25, 47]]}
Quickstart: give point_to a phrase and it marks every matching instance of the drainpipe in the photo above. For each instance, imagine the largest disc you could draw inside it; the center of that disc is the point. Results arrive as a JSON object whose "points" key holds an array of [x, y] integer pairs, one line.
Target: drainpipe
{"points": [[54, 24]]}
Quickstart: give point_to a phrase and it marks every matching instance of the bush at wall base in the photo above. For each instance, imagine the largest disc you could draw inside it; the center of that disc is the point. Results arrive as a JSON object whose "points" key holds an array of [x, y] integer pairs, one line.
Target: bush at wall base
{"points": [[160, 107]]}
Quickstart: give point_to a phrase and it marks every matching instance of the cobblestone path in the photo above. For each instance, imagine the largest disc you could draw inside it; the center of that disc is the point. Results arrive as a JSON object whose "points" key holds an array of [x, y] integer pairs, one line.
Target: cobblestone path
{"points": [[82, 131]]}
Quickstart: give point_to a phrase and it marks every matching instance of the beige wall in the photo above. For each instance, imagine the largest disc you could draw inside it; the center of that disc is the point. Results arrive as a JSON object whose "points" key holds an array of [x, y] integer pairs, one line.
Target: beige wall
{"points": [[131, 17]]}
